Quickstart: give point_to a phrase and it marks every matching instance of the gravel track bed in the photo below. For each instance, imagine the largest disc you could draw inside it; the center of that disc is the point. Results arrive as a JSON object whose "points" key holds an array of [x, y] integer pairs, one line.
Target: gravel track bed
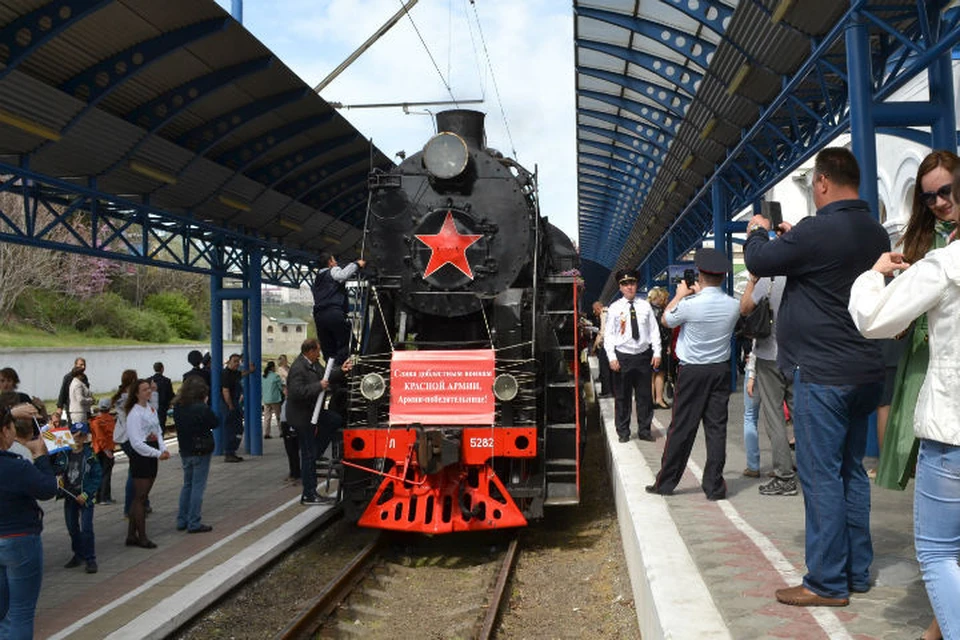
{"points": [[570, 580]]}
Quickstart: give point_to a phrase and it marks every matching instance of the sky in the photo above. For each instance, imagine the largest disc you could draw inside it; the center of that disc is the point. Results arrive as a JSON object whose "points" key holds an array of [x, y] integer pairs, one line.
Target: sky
{"points": [[530, 46]]}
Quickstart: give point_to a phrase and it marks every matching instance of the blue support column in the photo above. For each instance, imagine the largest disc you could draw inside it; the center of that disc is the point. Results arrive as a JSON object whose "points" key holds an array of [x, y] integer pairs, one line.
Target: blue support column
{"points": [[860, 86], [944, 129], [253, 431], [720, 243], [236, 10], [671, 258], [862, 130], [216, 356], [646, 276]]}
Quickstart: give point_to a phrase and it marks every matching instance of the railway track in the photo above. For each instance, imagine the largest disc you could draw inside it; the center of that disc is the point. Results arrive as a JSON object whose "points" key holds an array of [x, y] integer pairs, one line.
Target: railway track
{"points": [[439, 588]]}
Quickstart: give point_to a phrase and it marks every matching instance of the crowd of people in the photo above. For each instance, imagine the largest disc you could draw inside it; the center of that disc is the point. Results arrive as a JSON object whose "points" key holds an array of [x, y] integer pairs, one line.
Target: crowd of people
{"points": [[853, 327], [132, 422]]}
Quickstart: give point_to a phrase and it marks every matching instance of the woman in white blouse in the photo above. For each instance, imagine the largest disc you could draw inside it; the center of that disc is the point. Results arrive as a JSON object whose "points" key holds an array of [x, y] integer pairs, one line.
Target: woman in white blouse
{"points": [[146, 448], [930, 286]]}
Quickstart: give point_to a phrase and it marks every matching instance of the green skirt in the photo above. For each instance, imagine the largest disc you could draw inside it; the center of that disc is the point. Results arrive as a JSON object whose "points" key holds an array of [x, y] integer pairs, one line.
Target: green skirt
{"points": [[898, 451]]}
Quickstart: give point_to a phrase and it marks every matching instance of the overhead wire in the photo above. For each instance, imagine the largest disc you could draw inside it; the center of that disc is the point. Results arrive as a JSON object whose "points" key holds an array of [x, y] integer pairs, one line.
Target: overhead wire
{"points": [[493, 76], [429, 54], [476, 54]]}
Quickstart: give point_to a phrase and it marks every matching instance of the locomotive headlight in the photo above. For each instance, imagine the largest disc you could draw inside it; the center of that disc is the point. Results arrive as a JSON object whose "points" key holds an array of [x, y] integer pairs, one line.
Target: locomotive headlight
{"points": [[372, 387], [505, 387], [445, 156]]}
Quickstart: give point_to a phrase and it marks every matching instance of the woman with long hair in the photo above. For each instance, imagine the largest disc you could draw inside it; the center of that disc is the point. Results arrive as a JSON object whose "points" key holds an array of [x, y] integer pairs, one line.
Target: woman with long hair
{"points": [[658, 298], [929, 288], [146, 448], [195, 424], [272, 395], [933, 218]]}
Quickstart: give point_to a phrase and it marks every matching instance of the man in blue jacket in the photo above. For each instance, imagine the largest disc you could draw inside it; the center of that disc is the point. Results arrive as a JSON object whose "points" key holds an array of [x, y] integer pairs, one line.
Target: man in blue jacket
{"points": [[837, 373]]}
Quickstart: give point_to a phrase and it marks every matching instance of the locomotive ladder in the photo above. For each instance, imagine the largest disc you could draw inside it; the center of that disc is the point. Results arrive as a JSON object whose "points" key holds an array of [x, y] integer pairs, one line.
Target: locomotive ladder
{"points": [[561, 435]]}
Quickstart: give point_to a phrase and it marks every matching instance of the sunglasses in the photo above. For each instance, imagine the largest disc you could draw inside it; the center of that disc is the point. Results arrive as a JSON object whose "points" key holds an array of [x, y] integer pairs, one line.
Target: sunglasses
{"points": [[929, 198]]}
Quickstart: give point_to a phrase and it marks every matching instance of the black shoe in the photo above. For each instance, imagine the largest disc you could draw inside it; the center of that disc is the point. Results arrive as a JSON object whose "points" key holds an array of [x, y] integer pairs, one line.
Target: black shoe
{"points": [[316, 500], [624, 438], [105, 501], [73, 562], [719, 496], [132, 542], [232, 458], [92, 567], [204, 528], [652, 488], [649, 437], [267, 437], [147, 544]]}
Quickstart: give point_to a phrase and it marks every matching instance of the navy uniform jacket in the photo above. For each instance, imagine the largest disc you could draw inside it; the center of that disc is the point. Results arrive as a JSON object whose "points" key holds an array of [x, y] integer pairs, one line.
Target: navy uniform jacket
{"points": [[821, 257]]}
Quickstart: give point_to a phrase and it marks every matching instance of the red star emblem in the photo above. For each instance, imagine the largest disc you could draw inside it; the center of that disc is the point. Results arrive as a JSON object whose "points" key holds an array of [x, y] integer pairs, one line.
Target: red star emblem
{"points": [[448, 246]]}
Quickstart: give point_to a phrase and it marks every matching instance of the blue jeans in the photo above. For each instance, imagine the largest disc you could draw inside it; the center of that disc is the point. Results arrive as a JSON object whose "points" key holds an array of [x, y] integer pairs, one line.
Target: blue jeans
{"points": [[830, 426], [936, 530], [751, 438], [195, 471], [80, 527], [21, 571]]}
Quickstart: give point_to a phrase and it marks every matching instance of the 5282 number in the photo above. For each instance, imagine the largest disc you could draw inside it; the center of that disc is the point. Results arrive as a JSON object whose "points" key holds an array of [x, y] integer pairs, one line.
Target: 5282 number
{"points": [[481, 443]]}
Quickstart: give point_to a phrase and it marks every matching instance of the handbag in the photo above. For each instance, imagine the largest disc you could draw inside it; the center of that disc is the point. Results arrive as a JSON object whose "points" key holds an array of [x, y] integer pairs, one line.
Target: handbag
{"points": [[758, 323], [203, 443]]}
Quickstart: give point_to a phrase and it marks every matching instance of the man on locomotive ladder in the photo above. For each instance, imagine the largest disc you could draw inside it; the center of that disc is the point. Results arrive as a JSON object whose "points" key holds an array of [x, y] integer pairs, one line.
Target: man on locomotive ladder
{"points": [[330, 306]]}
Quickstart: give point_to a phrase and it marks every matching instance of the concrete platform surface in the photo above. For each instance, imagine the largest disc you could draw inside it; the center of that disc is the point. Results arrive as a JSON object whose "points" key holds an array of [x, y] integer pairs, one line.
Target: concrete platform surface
{"points": [[704, 569], [138, 593]]}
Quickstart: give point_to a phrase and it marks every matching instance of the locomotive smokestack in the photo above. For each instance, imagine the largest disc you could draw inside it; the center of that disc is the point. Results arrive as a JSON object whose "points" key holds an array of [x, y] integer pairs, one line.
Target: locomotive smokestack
{"points": [[465, 123]]}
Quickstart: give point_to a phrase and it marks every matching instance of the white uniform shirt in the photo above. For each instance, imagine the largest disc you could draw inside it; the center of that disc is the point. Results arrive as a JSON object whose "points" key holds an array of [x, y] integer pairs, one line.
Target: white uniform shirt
{"points": [[930, 286], [618, 335]]}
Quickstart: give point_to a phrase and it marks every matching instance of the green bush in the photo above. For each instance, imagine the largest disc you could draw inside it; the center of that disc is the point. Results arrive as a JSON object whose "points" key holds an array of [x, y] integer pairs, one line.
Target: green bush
{"points": [[111, 314], [46, 309], [178, 312]]}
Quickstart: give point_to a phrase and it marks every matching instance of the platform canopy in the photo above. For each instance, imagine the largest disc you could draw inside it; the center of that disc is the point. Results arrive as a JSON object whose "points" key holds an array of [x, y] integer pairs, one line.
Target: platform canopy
{"points": [[175, 105], [677, 96]]}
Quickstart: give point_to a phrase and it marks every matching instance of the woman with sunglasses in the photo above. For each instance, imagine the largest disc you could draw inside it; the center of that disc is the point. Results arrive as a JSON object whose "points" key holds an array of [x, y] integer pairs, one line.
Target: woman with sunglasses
{"points": [[932, 220], [22, 483], [929, 288]]}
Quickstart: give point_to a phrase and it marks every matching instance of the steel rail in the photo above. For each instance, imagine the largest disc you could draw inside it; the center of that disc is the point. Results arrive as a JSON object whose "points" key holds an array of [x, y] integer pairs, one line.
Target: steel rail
{"points": [[499, 591], [310, 617]]}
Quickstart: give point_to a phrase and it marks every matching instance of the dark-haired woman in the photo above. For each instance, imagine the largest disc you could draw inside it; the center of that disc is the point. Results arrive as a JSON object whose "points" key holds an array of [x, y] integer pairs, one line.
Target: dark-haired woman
{"points": [[146, 448], [932, 218], [22, 483], [195, 424], [272, 393]]}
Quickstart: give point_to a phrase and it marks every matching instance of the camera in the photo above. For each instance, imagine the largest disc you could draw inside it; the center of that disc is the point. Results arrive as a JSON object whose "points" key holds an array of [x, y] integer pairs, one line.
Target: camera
{"points": [[690, 277]]}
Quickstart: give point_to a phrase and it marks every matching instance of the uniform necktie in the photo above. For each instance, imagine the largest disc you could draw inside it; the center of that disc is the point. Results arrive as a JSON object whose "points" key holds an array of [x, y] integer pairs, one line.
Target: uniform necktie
{"points": [[634, 327]]}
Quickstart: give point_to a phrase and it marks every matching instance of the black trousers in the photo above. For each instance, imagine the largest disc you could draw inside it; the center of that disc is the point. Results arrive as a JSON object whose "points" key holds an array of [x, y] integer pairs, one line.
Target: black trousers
{"points": [[701, 393], [606, 376], [333, 332], [632, 383]]}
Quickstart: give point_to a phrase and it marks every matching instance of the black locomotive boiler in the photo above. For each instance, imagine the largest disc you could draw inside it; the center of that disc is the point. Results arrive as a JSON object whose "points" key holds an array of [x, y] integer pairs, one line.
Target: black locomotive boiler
{"points": [[465, 406]]}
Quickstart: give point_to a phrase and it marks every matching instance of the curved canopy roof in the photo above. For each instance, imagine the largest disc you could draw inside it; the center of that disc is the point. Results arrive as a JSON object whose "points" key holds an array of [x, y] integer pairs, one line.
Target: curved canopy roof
{"points": [[175, 104], [674, 95]]}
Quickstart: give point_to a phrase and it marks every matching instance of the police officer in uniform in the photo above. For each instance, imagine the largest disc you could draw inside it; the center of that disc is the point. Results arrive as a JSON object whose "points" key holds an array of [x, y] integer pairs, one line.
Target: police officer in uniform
{"points": [[706, 317], [632, 343]]}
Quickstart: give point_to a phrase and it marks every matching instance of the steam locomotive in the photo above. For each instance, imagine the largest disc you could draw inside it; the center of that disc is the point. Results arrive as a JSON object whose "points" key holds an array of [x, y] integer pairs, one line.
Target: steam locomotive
{"points": [[466, 401]]}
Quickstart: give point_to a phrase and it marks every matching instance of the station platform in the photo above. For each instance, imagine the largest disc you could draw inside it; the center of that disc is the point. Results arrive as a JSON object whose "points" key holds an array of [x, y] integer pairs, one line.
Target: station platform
{"points": [[702, 569], [138, 593]]}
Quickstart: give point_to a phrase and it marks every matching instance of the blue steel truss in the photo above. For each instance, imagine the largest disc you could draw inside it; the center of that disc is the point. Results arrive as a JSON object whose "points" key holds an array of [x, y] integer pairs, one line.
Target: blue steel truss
{"points": [[32, 30], [812, 107], [56, 214]]}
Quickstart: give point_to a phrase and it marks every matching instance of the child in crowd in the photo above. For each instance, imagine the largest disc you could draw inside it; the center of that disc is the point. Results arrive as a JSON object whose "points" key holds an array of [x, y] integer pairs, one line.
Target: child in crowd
{"points": [[81, 475], [101, 432]]}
